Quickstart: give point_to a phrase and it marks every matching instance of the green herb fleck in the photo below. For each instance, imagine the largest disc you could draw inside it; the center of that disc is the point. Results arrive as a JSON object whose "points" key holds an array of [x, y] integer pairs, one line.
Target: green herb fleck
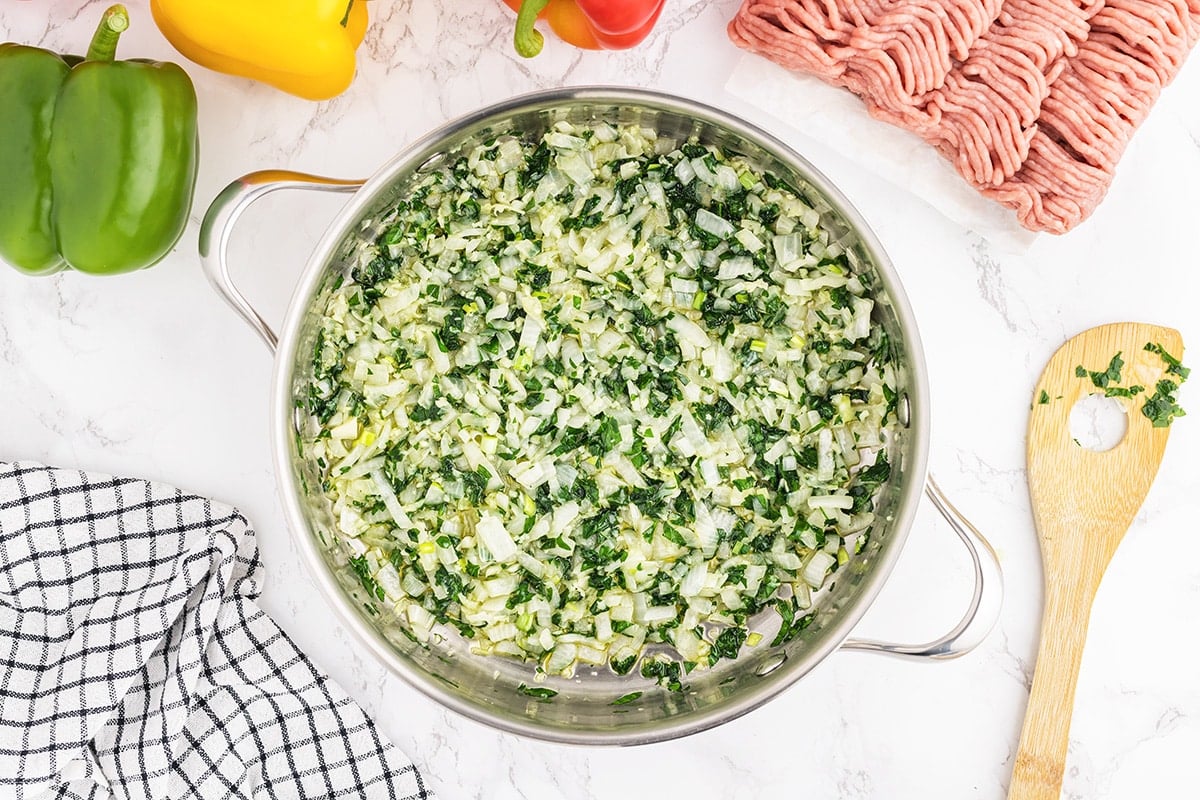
{"points": [[727, 644], [607, 436], [868, 481], [621, 666], [664, 671], [1111, 375], [790, 626], [539, 692], [362, 568], [672, 535], [1161, 408], [1174, 366]]}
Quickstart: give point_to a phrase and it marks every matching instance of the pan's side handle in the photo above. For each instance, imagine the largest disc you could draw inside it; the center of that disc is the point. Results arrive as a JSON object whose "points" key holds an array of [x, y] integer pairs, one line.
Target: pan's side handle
{"points": [[983, 610], [222, 216]]}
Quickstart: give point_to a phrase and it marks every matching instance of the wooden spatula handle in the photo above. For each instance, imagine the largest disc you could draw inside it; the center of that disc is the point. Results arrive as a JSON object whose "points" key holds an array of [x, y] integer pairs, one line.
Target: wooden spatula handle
{"points": [[1042, 753]]}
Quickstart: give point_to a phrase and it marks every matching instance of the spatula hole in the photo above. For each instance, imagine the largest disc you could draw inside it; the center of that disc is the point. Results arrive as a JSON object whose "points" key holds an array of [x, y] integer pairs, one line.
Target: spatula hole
{"points": [[1097, 423]]}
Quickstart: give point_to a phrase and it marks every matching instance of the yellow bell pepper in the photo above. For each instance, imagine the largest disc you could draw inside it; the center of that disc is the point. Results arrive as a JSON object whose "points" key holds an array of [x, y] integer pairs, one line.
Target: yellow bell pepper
{"points": [[304, 47]]}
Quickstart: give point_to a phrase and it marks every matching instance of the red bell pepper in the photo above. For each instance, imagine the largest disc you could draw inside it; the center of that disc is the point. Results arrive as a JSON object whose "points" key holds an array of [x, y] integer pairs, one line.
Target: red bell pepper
{"points": [[589, 24]]}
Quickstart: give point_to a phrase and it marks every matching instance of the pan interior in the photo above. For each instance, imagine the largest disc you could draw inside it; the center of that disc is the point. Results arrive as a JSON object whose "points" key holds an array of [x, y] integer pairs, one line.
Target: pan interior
{"points": [[487, 688]]}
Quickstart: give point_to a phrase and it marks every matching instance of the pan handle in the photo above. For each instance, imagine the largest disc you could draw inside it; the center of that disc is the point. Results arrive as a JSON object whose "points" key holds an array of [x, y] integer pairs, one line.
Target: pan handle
{"points": [[983, 610], [223, 214]]}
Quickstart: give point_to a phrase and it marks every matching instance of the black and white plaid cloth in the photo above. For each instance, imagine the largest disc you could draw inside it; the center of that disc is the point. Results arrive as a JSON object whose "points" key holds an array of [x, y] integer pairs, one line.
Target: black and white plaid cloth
{"points": [[135, 663]]}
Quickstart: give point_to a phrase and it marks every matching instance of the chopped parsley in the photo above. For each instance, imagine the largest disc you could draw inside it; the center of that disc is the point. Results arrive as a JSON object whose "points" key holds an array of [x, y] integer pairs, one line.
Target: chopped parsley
{"points": [[1121, 391], [1161, 407], [1110, 375], [622, 665], [664, 671], [362, 568], [790, 624], [727, 644]]}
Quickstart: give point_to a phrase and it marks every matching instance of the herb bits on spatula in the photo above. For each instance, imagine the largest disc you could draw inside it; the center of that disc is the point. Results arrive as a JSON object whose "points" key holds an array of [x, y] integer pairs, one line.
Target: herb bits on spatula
{"points": [[1083, 502]]}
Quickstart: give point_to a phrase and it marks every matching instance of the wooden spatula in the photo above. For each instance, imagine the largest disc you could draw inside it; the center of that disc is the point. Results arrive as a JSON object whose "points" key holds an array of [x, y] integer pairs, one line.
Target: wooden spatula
{"points": [[1083, 502]]}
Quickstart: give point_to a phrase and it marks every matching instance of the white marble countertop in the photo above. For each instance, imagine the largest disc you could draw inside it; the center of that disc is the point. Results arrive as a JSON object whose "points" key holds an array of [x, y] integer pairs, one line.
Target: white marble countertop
{"points": [[152, 375]]}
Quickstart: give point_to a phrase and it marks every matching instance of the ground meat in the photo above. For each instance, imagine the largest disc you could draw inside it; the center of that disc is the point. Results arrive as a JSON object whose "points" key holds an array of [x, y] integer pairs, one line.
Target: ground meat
{"points": [[1032, 101]]}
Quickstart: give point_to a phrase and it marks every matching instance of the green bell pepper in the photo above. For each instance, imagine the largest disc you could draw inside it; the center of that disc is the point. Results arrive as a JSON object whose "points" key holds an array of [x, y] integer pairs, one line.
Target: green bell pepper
{"points": [[98, 157]]}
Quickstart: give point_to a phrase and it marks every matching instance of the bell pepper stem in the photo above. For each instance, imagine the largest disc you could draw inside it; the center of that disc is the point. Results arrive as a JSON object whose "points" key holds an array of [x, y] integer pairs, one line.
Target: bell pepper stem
{"points": [[527, 39], [104, 44]]}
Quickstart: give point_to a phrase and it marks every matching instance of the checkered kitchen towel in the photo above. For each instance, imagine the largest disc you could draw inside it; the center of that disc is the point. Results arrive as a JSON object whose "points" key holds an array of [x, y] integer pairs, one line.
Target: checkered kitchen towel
{"points": [[135, 663]]}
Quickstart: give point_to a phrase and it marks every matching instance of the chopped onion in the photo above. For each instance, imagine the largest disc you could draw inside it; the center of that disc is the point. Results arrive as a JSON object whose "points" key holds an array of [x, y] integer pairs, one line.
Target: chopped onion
{"points": [[391, 502], [702, 171], [561, 658], [842, 501], [711, 223], [816, 567], [495, 537], [659, 614], [693, 582], [788, 248], [748, 240], [684, 172], [735, 267], [689, 331], [705, 530]]}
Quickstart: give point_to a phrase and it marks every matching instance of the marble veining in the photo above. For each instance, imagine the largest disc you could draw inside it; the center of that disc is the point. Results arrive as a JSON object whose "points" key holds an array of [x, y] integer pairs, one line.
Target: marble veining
{"points": [[151, 375]]}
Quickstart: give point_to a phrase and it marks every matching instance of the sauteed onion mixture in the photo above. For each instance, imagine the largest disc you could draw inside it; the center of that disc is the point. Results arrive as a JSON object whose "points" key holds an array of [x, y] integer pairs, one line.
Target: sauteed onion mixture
{"points": [[599, 390]]}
